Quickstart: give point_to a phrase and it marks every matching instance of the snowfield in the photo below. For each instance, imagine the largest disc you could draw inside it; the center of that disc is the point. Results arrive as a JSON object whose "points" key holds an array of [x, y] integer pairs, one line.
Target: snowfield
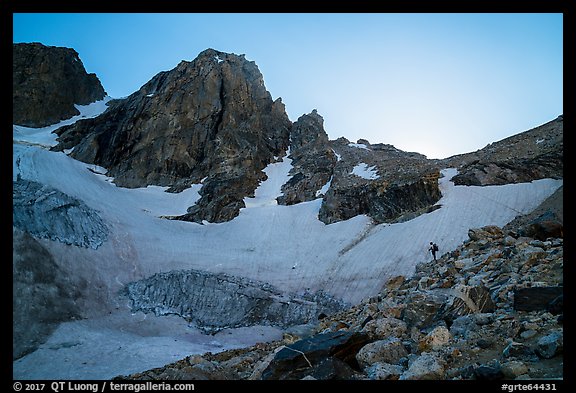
{"points": [[350, 260]]}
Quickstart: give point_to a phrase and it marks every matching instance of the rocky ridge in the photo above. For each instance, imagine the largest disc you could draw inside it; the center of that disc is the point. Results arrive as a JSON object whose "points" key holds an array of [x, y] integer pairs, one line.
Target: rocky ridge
{"points": [[490, 310], [533, 154], [47, 82], [211, 121]]}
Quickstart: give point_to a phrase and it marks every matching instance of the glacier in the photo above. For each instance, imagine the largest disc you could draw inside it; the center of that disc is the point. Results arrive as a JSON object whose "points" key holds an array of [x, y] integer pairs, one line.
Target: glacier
{"points": [[285, 246]]}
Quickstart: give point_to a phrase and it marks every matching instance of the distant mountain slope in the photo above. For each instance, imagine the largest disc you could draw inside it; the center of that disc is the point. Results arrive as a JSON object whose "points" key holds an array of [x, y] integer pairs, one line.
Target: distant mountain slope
{"points": [[529, 155]]}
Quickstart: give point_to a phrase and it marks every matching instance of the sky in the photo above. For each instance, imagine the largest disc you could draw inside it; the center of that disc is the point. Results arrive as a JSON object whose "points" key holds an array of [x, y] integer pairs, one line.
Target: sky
{"points": [[285, 246], [439, 84]]}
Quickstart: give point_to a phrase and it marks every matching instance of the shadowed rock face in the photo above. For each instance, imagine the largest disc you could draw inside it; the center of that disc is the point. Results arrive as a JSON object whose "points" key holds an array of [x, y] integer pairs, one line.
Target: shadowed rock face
{"points": [[381, 200], [46, 83], [209, 119], [42, 297], [402, 183]]}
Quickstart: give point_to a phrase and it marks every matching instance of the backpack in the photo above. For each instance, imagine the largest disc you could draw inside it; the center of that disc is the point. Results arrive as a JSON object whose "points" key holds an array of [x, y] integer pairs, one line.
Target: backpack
{"points": [[435, 247]]}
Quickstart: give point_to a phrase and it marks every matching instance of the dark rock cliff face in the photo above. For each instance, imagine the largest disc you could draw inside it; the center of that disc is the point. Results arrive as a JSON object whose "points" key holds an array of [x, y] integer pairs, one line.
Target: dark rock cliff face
{"points": [[46, 83], [380, 181], [209, 119], [529, 155], [42, 295], [313, 160]]}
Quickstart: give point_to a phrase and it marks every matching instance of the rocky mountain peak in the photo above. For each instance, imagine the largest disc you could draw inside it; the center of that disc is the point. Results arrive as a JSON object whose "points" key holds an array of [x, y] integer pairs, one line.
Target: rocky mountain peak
{"points": [[211, 118], [47, 82], [313, 160], [308, 129], [212, 121]]}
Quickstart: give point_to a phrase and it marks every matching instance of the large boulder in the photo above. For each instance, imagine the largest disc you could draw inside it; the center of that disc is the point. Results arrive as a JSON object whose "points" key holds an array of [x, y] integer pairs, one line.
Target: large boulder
{"points": [[304, 357]]}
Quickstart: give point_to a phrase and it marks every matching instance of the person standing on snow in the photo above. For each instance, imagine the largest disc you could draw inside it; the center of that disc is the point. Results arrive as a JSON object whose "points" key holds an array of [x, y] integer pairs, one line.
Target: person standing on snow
{"points": [[433, 249]]}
